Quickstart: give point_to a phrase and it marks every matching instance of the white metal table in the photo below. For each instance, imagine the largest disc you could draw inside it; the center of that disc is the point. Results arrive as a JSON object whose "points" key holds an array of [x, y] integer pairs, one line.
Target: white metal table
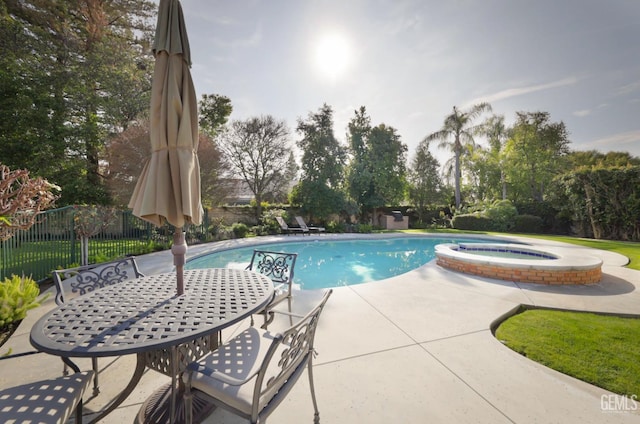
{"points": [[144, 316]]}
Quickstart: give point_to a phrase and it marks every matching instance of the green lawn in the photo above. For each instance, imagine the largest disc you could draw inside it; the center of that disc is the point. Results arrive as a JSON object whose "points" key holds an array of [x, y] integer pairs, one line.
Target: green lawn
{"points": [[626, 248], [601, 350], [39, 258]]}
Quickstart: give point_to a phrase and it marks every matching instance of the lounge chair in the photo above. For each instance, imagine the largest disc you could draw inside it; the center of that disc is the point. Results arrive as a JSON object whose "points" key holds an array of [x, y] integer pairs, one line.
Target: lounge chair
{"points": [[303, 225], [290, 230]]}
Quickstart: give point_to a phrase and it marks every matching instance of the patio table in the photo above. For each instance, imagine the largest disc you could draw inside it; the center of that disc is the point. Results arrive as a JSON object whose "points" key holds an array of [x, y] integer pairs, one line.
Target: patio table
{"points": [[144, 316]]}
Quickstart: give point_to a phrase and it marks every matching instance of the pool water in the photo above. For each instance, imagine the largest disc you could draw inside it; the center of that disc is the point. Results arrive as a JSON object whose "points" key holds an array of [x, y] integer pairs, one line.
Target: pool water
{"points": [[331, 263]]}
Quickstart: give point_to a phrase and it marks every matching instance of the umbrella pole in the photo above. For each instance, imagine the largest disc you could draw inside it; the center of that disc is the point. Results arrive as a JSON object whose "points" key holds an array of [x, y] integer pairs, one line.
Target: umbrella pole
{"points": [[179, 250]]}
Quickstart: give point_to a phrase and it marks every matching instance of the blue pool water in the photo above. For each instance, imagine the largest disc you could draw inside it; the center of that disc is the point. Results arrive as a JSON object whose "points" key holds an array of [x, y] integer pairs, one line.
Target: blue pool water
{"points": [[331, 263]]}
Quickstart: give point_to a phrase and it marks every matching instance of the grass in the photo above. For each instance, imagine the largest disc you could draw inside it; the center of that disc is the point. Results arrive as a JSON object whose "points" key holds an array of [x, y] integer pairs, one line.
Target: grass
{"points": [[40, 257], [626, 248], [599, 349]]}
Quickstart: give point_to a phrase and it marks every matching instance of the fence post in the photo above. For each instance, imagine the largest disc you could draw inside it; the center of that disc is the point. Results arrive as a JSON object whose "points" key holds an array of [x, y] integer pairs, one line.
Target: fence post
{"points": [[74, 258]]}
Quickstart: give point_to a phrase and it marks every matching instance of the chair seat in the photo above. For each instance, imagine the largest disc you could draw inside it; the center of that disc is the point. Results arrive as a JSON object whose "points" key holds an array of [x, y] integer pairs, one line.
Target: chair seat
{"points": [[222, 379], [47, 401]]}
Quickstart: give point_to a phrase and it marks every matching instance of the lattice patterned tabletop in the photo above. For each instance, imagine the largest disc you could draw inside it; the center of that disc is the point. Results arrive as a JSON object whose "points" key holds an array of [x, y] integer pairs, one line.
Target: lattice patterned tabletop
{"points": [[144, 314]]}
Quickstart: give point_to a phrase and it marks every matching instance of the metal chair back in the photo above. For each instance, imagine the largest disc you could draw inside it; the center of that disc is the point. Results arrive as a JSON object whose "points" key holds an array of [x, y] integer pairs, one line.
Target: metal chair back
{"points": [[278, 266], [85, 279]]}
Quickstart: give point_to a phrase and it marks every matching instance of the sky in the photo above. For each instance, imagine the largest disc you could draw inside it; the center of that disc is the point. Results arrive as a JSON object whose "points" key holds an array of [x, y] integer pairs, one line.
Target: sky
{"points": [[410, 61]]}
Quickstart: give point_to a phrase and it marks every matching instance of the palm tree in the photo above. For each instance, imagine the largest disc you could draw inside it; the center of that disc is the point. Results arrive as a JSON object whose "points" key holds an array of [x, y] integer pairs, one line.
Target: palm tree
{"points": [[458, 126]]}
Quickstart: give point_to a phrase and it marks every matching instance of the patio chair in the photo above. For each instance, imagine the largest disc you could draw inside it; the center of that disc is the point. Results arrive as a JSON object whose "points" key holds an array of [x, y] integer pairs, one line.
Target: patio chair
{"points": [[290, 230], [251, 374], [46, 401], [279, 267], [78, 281]]}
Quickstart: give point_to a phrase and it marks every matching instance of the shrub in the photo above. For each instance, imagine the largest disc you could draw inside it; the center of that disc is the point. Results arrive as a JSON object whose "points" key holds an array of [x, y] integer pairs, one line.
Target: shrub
{"points": [[502, 215], [269, 222], [240, 230], [262, 230], [551, 221], [216, 225], [474, 222], [527, 224], [363, 228], [336, 227], [99, 258], [17, 296]]}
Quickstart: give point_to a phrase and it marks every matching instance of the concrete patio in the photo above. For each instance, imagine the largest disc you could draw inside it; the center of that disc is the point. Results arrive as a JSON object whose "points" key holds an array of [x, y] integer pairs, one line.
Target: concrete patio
{"points": [[415, 348]]}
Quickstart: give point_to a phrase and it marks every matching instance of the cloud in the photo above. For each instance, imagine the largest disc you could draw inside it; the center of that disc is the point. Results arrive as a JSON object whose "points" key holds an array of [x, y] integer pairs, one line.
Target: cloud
{"points": [[628, 88], [626, 138], [521, 91], [581, 113]]}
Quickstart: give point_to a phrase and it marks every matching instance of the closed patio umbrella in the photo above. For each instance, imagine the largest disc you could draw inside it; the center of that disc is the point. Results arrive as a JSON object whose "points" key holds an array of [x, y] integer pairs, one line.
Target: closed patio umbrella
{"points": [[169, 187]]}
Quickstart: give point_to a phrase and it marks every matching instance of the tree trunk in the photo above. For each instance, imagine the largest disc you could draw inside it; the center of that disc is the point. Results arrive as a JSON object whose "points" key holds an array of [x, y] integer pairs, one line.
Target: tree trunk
{"points": [[84, 250], [457, 178]]}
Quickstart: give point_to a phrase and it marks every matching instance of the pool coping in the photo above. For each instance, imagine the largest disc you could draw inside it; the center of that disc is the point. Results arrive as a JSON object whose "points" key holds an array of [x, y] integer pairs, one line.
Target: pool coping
{"points": [[561, 262]]}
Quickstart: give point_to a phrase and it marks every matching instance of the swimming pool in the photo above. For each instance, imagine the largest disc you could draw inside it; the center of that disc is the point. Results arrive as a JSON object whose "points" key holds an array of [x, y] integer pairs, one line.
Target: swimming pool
{"points": [[332, 263]]}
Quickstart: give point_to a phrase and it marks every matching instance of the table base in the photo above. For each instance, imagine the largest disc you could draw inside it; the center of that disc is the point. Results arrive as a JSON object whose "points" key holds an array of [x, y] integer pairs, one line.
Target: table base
{"points": [[157, 408]]}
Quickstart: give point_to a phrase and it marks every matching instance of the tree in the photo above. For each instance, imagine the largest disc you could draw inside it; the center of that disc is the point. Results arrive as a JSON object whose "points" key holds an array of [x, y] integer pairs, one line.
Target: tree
{"points": [[424, 182], [323, 160], [259, 151], [21, 199], [376, 175], [89, 221], [359, 176], [387, 162], [593, 158], [215, 187], [603, 202], [457, 134], [535, 153], [487, 165], [86, 74], [127, 154], [214, 112], [130, 150]]}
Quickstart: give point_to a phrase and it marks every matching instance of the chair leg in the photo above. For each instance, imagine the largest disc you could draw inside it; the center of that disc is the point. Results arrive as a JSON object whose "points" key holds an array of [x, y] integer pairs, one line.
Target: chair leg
{"points": [[268, 318], [96, 386], [78, 416], [316, 415]]}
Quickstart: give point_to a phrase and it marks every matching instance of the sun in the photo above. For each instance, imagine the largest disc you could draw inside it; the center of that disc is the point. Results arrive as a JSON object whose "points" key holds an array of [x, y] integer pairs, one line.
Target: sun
{"points": [[332, 54]]}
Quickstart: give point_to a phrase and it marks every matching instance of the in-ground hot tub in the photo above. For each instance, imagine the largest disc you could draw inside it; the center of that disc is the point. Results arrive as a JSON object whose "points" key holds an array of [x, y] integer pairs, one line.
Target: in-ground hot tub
{"points": [[519, 263]]}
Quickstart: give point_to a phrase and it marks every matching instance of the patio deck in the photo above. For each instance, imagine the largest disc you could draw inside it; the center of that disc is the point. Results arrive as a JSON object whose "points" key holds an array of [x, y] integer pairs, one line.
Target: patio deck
{"points": [[410, 349]]}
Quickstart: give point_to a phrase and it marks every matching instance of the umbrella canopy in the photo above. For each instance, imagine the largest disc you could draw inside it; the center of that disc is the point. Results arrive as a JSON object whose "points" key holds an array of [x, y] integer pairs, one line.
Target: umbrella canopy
{"points": [[169, 187]]}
